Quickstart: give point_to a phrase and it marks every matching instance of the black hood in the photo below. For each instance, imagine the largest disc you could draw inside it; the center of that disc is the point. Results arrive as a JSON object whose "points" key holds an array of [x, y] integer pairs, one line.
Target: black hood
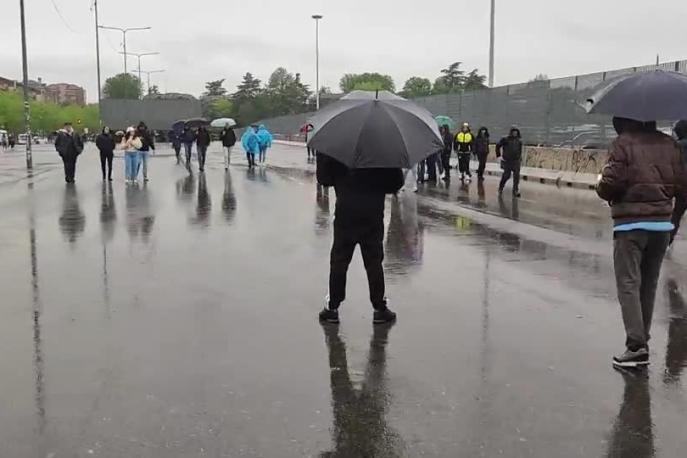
{"points": [[516, 130], [483, 131], [681, 129]]}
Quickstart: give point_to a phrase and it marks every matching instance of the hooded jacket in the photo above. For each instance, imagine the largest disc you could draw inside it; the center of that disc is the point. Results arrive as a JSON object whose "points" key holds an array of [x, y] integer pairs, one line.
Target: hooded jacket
{"points": [[643, 174], [68, 145], [147, 140], [249, 141], [481, 144], [203, 138], [264, 137], [360, 193], [510, 147], [681, 133], [228, 137], [188, 136], [105, 143]]}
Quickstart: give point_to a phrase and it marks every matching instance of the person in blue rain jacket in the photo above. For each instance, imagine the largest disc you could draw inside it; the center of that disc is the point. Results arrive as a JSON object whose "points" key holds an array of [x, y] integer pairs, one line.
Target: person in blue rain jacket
{"points": [[251, 144], [265, 142]]}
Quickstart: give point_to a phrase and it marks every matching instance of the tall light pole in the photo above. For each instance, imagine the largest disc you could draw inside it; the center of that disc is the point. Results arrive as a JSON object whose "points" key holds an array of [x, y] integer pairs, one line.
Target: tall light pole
{"points": [[148, 72], [317, 18], [491, 43], [25, 70], [97, 49], [124, 32], [139, 55]]}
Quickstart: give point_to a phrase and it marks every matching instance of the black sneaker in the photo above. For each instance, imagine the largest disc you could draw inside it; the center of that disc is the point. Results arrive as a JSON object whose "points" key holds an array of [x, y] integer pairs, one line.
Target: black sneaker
{"points": [[632, 359], [383, 316], [328, 315], [516, 194]]}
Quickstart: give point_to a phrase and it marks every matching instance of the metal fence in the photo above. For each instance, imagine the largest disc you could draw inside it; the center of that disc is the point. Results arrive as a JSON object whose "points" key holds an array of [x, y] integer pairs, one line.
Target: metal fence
{"points": [[549, 112], [157, 114]]}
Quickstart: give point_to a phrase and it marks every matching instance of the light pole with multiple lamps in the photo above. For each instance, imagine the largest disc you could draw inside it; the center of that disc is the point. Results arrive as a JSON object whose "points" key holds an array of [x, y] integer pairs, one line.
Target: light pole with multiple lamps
{"points": [[148, 73], [139, 55], [317, 18], [491, 43], [25, 71], [124, 32]]}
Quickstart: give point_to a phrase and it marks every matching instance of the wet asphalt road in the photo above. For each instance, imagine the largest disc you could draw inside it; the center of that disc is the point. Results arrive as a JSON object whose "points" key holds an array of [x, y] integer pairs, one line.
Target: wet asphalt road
{"points": [[178, 319]]}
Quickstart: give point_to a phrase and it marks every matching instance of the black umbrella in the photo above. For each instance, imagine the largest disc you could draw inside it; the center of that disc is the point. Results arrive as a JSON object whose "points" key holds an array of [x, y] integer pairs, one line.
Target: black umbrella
{"points": [[192, 123], [375, 129], [651, 96]]}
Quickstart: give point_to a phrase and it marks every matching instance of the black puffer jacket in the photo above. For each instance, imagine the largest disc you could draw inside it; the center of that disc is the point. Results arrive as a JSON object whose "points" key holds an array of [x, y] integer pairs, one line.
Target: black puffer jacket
{"points": [[105, 143], [360, 193], [481, 144], [510, 147]]}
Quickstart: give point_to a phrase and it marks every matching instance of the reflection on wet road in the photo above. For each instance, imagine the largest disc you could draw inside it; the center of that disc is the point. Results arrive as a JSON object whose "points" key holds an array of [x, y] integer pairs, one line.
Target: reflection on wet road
{"points": [[177, 318]]}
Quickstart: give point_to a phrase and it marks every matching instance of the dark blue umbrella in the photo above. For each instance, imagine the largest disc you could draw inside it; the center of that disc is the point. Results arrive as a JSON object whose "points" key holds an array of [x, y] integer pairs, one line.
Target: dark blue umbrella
{"points": [[651, 96]]}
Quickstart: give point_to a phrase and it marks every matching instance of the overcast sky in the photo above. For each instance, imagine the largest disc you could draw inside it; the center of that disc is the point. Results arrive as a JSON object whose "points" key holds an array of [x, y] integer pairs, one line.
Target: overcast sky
{"points": [[212, 39]]}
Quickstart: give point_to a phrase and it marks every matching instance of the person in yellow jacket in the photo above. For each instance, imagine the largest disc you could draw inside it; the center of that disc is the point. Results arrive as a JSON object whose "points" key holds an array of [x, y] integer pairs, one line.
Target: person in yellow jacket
{"points": [[463, 145]]}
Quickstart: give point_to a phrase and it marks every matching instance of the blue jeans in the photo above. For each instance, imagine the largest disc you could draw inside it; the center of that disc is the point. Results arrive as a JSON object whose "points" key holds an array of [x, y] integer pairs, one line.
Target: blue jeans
{"points": [[130, 164], [142, 160], [189, 151]]}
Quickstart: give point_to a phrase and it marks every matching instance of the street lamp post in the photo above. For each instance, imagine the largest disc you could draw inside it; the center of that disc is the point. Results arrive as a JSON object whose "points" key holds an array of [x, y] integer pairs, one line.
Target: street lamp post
{"points": [[124, 32], [491, 43], [317, 18], [25, 70], [139, 55], [148, 72], [97, 49]]}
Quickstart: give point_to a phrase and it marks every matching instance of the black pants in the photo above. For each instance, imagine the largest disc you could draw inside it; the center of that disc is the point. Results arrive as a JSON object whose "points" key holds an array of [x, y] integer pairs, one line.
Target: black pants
{"points": [[202, 153], [69, 168], [510, 168], [446, 163], [432, 168], [346, 237], [106, 160], [177, 152], [464, 164], [637, 258], [482, 158], [311, 152], [678, 213]]}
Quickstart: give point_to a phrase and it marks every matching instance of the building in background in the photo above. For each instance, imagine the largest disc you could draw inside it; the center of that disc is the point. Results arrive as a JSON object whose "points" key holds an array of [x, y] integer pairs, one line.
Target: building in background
{"points": [[65, 93], [37, 89]]}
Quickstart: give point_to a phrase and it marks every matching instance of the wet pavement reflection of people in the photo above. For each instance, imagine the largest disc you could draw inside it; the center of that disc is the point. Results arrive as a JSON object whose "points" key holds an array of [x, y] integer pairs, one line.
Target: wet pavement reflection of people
{"points": [[481, 195], [139, 212], [108, 211], [204, 203], [186, 188], [72, 221], [360, 428], [632, 435], [322, 213], [404, 241], [228, 198], [513, 212], [676, 351]]}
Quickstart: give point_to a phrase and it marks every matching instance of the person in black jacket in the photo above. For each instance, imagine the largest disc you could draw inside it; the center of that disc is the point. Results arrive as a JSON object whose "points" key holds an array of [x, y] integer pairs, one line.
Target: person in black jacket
{"points": [[481, 148], [148, 143], [69, 145], [175, 140], [202, 143], [446, 152], [358, 220], [509, 149], [188, 136], [680, 209], [228, 138], [106, 145]]}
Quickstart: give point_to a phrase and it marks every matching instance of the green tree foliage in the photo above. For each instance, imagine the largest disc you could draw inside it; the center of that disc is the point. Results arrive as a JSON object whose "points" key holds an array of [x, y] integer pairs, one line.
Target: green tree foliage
{"points": [[45, 117], [248, 89], [220, 107], [453, 80], [417, 87], [474, 81], [286, 93], [154, 90], [214, 89], [122, 86], [366, 82]]}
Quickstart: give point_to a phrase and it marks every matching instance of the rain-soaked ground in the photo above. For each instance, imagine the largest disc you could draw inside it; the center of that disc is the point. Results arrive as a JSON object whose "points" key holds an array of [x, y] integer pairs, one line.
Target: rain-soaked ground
{"points": [[178, 319]]}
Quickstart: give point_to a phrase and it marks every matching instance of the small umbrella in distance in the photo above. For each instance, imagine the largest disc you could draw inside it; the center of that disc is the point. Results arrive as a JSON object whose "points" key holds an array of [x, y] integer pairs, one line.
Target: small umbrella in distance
{"points": [[221, 123], [195, 123], [445, 121], [650, 96], [375, 129]]}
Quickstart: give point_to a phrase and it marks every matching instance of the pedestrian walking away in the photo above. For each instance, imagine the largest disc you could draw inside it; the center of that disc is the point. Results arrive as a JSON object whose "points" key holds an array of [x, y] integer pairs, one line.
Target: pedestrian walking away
{"points": [[175, 140], [481, 148], [228, 139], [306, 129], [69, 146], [265, 142], [106, 146], [446, 152], [431, 163], [147, 144], [251, 144], [131, 144], [463, 146], [643, 175], [188, 137], [358, 220], [509, 149], [202, 142], [680, 131]]}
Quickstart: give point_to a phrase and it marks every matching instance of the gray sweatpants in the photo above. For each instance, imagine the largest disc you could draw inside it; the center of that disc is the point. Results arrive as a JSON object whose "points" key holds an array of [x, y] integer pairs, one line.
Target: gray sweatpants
{"points": [[637, 257]]}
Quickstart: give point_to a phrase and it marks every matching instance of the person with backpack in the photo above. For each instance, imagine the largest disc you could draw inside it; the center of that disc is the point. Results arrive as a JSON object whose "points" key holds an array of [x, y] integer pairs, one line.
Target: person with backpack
{"points": [[509, 149], [69, 146], [106, 146], [228, 139], [481, 148]]}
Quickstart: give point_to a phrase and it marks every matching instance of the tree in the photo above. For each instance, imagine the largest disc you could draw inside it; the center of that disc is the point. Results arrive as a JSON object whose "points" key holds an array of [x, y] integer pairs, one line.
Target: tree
{"points": [[248, 89], [539, 77], [122, 86], [153, 90], [366, 82], [417, 87], [220, 107], [214, 89], [474, 81], [451, 79]]}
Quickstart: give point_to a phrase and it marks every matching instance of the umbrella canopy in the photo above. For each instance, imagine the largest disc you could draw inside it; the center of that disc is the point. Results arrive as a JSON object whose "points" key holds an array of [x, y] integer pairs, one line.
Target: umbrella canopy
{"points": [[445, 121], [650, 96], [221, 123], [375, 130], [307, 127], [192, 123]]}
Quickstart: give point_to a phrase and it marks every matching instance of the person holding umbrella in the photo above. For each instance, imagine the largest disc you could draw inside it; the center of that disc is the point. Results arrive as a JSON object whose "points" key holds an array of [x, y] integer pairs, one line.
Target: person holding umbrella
{"points": [[202, 142], [228, 139], [446, 152], [644, 174], [306, 129], [363, 162], [188, 137], [680, 131], [175, 140]]}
